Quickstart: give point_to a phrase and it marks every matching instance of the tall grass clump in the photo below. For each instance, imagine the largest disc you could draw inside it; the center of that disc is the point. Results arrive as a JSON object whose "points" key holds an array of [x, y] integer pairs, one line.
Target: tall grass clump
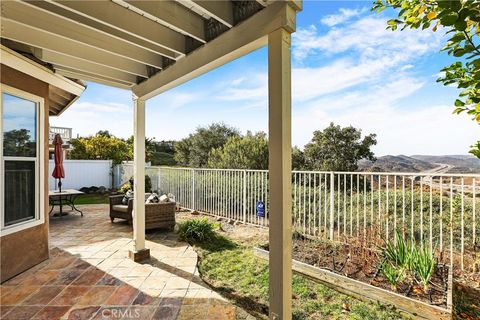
{"points": [[405, 260], [197, 230], [423, 265]]}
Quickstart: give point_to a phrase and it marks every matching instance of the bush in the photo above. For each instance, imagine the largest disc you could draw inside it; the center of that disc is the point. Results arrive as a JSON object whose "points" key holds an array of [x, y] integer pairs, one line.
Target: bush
{"points": [[197, 230], [129, 185]]}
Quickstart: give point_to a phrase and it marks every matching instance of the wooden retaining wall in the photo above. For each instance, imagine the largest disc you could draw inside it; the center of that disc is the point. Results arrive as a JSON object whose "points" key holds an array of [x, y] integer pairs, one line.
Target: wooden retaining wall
{"points": [[361, 290]]}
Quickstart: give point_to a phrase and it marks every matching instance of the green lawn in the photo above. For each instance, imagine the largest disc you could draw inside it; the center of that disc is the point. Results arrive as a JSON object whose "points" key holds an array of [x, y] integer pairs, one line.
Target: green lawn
{"points": [[91, 199], [236, 273]]}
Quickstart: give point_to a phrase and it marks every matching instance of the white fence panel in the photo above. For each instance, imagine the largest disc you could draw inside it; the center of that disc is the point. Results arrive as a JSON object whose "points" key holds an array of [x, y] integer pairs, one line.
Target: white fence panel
{"points": [[82, 173]]}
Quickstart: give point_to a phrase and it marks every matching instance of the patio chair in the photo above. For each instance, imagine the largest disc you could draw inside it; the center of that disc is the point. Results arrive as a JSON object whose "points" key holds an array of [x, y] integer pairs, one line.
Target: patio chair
{"points": [[157, 215]]}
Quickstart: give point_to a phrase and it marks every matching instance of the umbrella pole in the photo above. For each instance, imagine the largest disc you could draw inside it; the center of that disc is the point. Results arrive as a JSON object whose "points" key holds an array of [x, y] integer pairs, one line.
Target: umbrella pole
{"points": [[60, 187]]}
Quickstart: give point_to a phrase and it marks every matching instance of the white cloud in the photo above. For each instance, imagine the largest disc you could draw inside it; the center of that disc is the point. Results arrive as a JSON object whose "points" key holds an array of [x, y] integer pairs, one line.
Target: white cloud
{"points": [[367, 37], [87, 118], [415, 131], [344, 15]]}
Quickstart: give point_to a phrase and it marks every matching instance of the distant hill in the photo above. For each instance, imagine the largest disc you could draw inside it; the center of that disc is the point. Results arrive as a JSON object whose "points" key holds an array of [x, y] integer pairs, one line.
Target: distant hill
{"points": [[419, 163], [459, 163], [398, 163]]}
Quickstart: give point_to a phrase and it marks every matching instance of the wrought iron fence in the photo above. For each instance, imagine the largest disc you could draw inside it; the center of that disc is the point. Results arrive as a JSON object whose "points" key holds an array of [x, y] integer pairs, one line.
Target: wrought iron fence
{"points": [[435, 210]]}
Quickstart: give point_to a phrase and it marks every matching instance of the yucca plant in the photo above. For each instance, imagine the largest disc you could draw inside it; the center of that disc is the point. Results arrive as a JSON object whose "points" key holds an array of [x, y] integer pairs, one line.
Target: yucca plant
{"points": [[393, 274], [423, 265], [399, 253]]}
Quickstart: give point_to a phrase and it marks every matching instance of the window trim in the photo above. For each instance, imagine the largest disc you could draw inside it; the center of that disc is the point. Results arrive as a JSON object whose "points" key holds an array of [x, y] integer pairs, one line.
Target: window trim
{"points": [[39, 163]]}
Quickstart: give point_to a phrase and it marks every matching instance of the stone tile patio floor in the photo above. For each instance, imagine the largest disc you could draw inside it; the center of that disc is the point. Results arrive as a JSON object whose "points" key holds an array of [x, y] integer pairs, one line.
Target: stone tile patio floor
{"points": [[89, 276]]}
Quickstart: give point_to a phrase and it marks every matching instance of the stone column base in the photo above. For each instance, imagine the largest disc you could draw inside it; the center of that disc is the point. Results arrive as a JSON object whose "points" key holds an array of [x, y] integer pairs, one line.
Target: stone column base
{"points": [[138, 256]]}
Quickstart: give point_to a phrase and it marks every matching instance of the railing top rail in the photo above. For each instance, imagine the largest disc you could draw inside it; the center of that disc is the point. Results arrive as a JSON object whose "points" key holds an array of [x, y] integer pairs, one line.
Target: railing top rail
{"points": [[362, 173]]}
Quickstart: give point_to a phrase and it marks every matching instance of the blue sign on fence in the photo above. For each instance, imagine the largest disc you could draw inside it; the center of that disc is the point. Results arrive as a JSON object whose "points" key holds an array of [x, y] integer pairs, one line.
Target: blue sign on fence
{"points": [[260, 209]]}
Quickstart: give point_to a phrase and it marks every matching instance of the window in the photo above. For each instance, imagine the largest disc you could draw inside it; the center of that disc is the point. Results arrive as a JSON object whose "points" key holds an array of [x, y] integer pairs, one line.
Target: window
{"points": [[21, 160]]}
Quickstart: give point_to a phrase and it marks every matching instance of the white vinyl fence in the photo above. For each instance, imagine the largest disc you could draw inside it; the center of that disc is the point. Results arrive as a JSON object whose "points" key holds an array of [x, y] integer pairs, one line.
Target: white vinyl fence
{"points": [[434, 210], [82, 173]]}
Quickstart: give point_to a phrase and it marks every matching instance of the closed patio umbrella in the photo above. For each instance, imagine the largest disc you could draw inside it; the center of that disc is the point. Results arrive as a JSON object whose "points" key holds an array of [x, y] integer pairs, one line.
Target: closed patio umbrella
{"points": [[58, 171]]}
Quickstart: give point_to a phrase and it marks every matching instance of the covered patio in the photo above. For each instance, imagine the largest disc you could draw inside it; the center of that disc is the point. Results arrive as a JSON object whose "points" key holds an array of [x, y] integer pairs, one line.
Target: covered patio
{"points": [[89, 276], [149, 47]]}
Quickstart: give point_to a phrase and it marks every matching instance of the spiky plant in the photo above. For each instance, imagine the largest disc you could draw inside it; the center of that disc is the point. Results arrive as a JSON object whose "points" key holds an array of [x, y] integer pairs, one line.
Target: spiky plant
{"points": [[423, 263], [399, 253], [393, 274]]}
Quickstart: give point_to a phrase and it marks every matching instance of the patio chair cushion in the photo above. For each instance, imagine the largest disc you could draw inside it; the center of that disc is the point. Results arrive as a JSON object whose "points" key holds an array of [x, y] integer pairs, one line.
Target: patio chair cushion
{"points": [[128, 195], [120, 208], [152, 198]]}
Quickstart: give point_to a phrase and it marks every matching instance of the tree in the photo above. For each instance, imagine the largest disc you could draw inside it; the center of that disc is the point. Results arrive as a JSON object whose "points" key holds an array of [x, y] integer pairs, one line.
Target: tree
{"points": [[17, 143], [338, 149], [149, 148], [461, 20], [298, 159], [247, 152], [182, 151], [100, 147], [194, 150]]}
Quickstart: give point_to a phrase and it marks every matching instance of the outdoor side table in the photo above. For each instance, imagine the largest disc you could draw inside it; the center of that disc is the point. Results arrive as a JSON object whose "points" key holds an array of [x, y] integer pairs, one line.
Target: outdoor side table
{"points": [[66, 197]]}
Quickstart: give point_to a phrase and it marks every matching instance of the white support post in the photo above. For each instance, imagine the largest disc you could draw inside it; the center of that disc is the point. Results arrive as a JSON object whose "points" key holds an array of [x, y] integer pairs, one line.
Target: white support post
{"points": [[140, 252], [193, 189], [280, 170], [332, 205]]}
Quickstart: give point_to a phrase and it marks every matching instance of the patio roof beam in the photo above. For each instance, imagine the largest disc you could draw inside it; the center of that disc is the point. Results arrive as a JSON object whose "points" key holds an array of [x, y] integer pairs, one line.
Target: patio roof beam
{"points": [[172, 15], [222, 11], [123, 19], [232, 44], [128, 38], [48, 22], [25, 34], [60, 60], [78, 74]]}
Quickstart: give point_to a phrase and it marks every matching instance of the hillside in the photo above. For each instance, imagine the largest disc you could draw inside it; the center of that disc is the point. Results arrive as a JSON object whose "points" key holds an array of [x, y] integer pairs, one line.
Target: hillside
{"points": [[459, 163], [398, 163]]}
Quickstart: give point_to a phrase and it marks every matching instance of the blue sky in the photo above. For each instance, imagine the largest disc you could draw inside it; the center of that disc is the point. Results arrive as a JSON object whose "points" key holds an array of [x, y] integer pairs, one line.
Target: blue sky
{"points": [[346, 68]]}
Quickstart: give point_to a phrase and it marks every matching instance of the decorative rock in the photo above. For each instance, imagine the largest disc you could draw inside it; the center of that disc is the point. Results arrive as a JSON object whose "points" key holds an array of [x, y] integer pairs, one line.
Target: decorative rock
{"points": [[195, 212]]}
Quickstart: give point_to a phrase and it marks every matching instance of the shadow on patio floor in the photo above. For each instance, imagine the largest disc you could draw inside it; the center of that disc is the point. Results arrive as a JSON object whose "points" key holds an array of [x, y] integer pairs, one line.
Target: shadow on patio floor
{"points": [[89, 276]]}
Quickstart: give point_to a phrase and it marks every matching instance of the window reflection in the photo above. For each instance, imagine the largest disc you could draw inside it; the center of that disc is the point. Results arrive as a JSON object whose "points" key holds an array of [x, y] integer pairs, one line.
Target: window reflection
{"points": [[19, 127]]}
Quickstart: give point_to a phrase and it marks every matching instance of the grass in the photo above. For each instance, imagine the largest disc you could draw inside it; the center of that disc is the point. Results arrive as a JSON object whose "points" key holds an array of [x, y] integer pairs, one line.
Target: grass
{"points": [[91, 199], [236, 273]]}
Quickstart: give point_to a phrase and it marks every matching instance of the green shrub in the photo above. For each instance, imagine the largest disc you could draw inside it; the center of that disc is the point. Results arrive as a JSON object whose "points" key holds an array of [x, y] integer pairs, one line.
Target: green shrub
{"points": [[197, 230], [129, 185]]}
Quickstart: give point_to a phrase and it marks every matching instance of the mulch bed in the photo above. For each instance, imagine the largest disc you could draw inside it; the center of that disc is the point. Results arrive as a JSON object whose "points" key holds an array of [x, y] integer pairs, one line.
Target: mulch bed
{"points": [[363, 264]]}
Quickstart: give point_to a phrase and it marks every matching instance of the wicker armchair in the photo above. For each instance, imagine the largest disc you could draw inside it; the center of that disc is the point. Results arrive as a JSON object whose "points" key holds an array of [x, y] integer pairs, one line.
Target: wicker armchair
{"points": [[157, 215]]}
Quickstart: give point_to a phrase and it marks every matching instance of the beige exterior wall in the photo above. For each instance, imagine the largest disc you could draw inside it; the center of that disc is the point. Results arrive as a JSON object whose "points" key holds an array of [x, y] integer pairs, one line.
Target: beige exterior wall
{"points": [[22, 250]]}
